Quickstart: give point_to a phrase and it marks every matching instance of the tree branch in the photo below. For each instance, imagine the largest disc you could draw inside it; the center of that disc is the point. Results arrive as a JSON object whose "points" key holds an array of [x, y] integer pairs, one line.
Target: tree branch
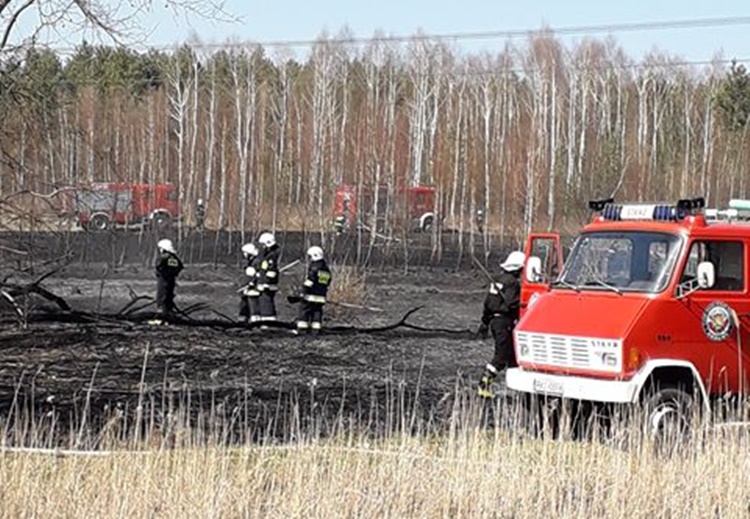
{"points": [[13, 19]]}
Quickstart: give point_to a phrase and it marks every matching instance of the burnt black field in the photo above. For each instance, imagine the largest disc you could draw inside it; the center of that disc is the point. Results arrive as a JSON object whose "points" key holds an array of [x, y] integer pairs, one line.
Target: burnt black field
{"points": [[62, 368]]}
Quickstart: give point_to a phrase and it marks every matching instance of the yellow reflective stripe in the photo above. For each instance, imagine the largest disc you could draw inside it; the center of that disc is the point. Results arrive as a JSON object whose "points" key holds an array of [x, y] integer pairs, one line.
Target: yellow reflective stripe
{"points": [[314, 299], [308, 283], [271, 274]]}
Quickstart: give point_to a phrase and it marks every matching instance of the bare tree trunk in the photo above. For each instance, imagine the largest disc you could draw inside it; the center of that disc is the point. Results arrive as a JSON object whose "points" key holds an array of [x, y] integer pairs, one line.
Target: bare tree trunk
{"points": [[552, 175], [211, 132], [282, 117], [192, 180], [178, 98]]}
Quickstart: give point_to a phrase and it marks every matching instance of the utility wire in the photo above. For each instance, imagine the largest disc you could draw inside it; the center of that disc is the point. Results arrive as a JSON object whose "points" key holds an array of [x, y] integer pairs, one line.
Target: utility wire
{"points": [[518, 33], [695, 23]]}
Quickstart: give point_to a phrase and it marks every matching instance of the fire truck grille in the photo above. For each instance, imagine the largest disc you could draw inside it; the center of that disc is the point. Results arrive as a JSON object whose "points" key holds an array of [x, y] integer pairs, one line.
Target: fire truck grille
{"points": [[587, 353]]}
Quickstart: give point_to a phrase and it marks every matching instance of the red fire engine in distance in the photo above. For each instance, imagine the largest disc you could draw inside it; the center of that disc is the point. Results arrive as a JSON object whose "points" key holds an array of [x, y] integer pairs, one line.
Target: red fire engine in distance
{"points": [[105, 205], [411, 206]]}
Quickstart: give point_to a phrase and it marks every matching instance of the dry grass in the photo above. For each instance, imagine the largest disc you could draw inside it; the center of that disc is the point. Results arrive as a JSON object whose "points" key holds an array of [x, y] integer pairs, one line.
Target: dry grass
{"points": [[347, 293], [463, 468]]}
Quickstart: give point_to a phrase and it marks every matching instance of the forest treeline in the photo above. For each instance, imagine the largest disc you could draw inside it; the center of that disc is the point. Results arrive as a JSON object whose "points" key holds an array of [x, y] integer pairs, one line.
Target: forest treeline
{"points": [[528, 134]]}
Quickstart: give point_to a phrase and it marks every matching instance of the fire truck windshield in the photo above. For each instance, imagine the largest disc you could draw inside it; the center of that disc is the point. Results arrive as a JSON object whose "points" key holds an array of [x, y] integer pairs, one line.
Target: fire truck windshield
{"points": [[619, 261]]}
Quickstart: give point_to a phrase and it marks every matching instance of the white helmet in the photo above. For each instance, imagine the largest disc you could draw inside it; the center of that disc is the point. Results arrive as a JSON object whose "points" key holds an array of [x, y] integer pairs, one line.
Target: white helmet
{"points": [[267, 239], [514, 261], [249, 250], [315, 253], [166, 246], [200, 201]]}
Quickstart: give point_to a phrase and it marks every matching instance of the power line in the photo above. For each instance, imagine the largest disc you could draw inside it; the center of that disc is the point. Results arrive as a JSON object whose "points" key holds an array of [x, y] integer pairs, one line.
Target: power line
{"points": [[516, 33], [573, 30]]}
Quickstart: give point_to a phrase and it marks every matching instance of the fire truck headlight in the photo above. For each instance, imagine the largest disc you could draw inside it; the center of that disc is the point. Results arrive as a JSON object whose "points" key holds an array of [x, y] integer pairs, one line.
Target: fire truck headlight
{"points": [[523, 350], [608, 359]]}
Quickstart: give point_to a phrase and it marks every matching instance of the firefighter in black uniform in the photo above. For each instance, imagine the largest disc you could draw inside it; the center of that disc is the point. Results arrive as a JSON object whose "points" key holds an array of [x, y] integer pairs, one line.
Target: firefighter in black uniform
{"points": [[501, 309], [480, 220], [314, 292], [268, 276], [200, 214], [168, 267], [249, 293]]}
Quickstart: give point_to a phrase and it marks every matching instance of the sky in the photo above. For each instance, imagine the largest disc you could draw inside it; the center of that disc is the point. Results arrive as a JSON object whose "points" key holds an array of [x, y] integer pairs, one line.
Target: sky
{"points": [[304, 20], [274, 20]]}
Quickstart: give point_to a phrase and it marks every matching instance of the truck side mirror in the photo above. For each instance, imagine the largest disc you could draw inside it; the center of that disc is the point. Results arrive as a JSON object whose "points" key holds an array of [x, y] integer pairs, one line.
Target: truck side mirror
{"points": [[534, 270], [706, 274]]}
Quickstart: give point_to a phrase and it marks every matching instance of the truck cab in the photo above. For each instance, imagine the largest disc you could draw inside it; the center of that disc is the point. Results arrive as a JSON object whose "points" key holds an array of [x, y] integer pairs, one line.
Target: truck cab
{"points": [[650, 308]]}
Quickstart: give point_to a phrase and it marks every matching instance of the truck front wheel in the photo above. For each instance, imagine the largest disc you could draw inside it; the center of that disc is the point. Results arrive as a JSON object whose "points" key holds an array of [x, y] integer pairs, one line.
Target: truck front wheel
{"points": [[668, 414], [99, 222]]}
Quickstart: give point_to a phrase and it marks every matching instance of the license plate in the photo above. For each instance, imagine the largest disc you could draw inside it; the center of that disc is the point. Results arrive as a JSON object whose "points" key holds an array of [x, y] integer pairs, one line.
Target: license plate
{"points": [[548, 387]]}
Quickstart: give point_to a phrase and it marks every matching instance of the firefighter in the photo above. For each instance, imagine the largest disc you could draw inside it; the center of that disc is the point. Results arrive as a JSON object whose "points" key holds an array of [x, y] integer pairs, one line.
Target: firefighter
{"points": [[200, 214], [249, 294], [313, 293], [168, 267], [268, 276], [480, 220], [501, 310]]}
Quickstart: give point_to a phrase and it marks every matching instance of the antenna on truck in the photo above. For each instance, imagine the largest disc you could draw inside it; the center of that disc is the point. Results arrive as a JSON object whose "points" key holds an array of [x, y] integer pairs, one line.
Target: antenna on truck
{"points": [[599, 205]]}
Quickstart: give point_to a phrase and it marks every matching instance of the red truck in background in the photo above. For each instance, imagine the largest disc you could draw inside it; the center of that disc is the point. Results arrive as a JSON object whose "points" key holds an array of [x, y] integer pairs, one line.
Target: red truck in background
{"points": [[104, 205], [368, 207]]}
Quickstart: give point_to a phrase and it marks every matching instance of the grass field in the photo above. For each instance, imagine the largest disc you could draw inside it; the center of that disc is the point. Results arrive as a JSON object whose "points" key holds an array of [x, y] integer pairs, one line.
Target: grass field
{"points": [[470, 467]]}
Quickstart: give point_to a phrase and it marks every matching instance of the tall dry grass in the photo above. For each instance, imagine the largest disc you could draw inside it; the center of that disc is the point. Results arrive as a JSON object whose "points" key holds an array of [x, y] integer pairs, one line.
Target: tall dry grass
{"points": [[348, 292], [471, 462]]}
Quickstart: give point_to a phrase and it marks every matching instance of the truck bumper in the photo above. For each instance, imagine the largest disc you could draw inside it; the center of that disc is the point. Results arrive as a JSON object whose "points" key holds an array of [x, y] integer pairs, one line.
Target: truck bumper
{"points": [[576, 388]]}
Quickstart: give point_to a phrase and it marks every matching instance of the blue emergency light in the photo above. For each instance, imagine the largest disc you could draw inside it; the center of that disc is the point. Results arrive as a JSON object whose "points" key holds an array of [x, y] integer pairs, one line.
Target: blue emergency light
{"points": [[651, 212]]}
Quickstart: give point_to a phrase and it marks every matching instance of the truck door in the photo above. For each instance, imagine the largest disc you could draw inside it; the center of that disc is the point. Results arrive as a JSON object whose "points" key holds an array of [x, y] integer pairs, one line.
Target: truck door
{"points": [[705, 332], [546, 247]]}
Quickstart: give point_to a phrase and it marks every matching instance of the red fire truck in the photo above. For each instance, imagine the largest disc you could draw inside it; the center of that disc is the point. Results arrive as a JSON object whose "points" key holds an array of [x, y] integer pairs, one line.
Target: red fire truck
{"points": [[651, 308], [412, 206], [104, 205]]}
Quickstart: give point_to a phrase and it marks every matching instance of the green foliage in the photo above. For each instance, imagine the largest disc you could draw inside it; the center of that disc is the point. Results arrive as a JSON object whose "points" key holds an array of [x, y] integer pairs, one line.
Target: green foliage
{"points": [[107, 69], [733, 98], [38, 81]]}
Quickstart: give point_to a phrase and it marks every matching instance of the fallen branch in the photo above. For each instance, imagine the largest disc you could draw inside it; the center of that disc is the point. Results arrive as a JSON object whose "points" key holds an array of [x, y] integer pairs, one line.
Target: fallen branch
{"points": [[48, 262], [388, 327], [136, 298], [17, 309], [130, 314], [356, 307], [142, 307], [13, 251], [49, 296], [465, 331]]}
